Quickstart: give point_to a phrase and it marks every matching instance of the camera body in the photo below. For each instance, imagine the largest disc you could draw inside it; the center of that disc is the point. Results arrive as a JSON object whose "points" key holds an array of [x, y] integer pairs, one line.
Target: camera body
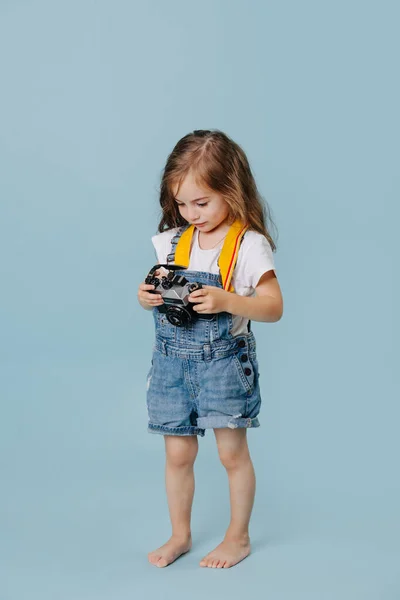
{"points": [[175, 290]]}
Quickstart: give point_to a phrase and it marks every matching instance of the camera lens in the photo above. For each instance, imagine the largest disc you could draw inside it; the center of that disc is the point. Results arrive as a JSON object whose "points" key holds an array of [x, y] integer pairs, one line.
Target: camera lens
{"points": [[178, 316]]}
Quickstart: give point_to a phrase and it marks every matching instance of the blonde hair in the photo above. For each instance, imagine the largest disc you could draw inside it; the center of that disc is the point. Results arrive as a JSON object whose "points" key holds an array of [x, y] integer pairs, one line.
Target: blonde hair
{"points": [[220, 165]]}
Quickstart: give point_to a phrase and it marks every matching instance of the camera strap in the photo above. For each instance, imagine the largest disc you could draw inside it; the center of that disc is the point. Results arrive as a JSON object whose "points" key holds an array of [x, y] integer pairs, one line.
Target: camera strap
{"points": [[228, 257]]}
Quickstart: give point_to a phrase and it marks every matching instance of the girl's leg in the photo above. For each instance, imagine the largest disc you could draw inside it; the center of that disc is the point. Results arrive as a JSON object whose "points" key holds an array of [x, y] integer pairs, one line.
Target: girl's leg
{"points": [[181, 452], [234, 454]]}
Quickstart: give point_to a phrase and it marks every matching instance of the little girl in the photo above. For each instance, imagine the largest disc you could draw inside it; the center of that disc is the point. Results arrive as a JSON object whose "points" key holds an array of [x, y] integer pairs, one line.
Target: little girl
{"points": [[205, 374]]}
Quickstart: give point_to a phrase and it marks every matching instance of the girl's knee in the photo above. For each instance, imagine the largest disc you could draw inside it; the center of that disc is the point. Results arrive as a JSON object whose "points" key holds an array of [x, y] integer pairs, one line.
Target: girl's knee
{"points": [[233, 450], [181, 451], [233, 459]]}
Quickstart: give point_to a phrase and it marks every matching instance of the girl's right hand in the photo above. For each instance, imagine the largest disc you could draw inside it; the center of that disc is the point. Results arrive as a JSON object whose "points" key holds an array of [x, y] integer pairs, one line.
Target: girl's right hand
{"points": [[146, 299]]}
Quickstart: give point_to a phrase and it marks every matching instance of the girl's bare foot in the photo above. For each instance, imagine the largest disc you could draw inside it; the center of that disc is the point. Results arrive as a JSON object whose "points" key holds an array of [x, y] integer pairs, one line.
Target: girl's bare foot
{"points": [[175, 547], [227, 554]]}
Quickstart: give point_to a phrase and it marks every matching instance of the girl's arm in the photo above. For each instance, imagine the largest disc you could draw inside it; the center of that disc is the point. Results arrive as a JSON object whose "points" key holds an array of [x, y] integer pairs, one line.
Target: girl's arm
{"points": [[266, 305]]}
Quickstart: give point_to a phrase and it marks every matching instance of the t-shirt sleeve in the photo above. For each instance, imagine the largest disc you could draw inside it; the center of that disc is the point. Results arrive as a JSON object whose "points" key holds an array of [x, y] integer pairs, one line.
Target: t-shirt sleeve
{"points": [[162, 244], [257, 260], [159, 249]]}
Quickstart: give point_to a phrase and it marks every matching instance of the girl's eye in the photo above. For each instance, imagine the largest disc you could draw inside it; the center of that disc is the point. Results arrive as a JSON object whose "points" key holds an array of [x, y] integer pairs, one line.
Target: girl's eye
{"points": [[198, 204]]}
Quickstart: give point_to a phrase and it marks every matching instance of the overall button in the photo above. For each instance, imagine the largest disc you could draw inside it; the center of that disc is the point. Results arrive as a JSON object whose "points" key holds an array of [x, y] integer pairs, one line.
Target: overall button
{"points": [[241, 343], [247, 371], [244, 358]]}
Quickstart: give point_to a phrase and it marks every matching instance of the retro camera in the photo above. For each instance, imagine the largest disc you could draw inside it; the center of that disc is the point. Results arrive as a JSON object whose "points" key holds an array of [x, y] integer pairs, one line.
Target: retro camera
{"points": [[175, 290]]}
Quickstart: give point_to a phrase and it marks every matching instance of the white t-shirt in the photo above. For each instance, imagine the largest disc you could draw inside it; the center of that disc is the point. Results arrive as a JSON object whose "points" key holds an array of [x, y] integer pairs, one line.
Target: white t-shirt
{"points": [[254, 259]]}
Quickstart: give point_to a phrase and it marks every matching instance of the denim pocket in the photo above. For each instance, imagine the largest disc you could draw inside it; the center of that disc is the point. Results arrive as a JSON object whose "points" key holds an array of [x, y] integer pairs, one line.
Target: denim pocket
{"points": [[164, 328], [245, 370]]}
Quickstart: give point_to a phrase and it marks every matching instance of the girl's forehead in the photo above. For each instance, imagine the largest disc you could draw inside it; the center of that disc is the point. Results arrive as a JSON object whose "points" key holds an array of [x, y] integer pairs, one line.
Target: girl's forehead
{"points": [[189, 188]]}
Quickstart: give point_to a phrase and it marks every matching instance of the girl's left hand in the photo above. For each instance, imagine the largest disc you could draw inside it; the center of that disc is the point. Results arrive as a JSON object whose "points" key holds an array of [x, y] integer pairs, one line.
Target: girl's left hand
{"points": [[209, 299]]}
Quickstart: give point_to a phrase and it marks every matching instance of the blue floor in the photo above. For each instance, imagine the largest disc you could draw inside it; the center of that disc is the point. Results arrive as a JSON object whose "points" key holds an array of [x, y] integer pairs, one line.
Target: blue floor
{"points": [[83, 502]]}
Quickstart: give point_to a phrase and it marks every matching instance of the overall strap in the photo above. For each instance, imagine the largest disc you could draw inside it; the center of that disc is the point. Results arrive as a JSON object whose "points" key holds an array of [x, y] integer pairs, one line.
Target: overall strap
{"points": [[174, 242]]}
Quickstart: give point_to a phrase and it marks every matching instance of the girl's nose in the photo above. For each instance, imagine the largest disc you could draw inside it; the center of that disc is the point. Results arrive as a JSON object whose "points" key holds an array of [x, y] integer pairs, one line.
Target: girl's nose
{"points": [[192, 216]]}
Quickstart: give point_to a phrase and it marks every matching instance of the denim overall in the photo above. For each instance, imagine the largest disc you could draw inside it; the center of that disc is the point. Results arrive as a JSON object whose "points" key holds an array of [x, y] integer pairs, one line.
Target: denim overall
{"points": [[201, 376]]}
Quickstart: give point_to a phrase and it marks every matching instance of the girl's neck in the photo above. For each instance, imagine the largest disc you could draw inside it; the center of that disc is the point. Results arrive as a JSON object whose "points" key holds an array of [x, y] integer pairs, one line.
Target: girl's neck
{"points": [[208, 241]]}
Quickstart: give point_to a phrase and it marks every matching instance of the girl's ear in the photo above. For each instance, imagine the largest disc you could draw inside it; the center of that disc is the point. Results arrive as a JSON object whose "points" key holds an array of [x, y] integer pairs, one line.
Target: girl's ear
{"points": [[232, 218]]}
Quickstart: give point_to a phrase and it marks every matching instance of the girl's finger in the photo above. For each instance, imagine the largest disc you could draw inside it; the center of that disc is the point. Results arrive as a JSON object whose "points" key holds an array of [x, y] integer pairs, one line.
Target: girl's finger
{"points": [[198, 294], [200, 309]]}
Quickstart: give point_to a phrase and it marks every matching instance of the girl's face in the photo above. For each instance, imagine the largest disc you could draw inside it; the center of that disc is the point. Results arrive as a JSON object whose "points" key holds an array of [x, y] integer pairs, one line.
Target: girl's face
{"points": [[200, 206]]}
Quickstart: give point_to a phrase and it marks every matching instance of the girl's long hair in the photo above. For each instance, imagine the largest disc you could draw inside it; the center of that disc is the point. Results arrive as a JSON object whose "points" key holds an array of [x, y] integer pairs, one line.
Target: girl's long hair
{"points": [[219, 164]]}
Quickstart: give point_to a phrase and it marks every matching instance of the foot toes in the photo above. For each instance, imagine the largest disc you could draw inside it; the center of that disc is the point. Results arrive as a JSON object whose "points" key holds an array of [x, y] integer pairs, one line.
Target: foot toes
{"points": [[162, 563]]}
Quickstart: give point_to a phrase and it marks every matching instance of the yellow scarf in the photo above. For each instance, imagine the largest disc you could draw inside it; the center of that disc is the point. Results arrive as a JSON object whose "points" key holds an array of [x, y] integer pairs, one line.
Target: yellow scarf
{"points": [[229, 253]]}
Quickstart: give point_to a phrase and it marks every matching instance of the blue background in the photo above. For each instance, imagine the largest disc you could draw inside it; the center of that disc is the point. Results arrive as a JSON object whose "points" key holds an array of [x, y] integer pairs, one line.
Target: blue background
{"points": [[94, 95]]}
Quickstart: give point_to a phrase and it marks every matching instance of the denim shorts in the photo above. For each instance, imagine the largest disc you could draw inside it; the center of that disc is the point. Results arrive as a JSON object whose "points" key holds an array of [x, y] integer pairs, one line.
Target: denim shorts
{"points": [[201, 386]]}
